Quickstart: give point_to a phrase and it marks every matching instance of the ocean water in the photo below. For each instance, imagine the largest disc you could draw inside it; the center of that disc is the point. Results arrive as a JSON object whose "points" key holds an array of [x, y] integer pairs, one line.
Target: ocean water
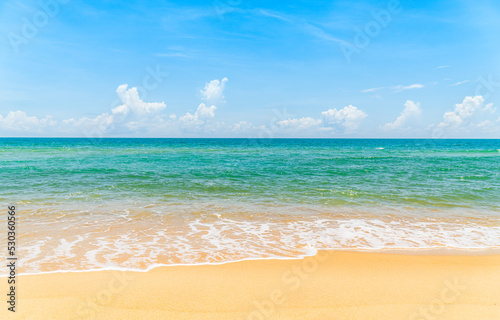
{"points": [[86, 204]]}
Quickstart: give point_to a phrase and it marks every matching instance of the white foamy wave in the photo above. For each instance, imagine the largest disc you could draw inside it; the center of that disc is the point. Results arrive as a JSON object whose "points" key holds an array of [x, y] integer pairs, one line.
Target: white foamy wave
{"points": [[169, 235]]}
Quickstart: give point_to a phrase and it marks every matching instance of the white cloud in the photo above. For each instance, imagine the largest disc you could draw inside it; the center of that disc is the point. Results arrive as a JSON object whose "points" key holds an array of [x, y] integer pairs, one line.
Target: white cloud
{"points": [[89, 127], [241, 126], [198, 121], [135, 117], [132, 116], [245, 127], [133, 104], [19, 121], [214, 90], [487, 126], [349, 117], [463, 111], [411, 110], [471, 118], [485, 123], [300, 124]]}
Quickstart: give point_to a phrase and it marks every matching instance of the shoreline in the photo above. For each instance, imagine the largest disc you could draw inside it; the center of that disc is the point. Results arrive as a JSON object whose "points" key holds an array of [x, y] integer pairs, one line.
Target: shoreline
{"points": [[390, 251], [347, 284]]}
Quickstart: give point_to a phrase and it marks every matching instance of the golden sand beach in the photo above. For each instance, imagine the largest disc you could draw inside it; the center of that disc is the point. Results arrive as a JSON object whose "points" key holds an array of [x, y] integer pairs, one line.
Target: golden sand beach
{"points": [[330, 285]]}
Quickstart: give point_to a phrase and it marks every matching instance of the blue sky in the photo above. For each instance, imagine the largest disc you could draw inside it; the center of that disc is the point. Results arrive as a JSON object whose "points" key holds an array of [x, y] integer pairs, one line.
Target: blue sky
{"points": [[241, 68]]}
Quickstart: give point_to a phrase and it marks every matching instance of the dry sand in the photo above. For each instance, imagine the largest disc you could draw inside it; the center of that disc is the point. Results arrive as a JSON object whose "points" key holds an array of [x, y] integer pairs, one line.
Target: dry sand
{"points": [[331, 285]]}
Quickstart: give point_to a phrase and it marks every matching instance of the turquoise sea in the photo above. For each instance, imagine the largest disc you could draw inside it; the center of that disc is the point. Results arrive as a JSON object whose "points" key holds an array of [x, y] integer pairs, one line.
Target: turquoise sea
{"points": [[137, 203]]}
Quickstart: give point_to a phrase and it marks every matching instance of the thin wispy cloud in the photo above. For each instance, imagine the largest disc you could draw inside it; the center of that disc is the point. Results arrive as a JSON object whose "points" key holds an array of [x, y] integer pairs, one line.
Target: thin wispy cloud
{"points": [[397, 88], [459, 83], [373, 89], [400, 88], [272, 14], [442, 67], [322, 34], [306, 26]]}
